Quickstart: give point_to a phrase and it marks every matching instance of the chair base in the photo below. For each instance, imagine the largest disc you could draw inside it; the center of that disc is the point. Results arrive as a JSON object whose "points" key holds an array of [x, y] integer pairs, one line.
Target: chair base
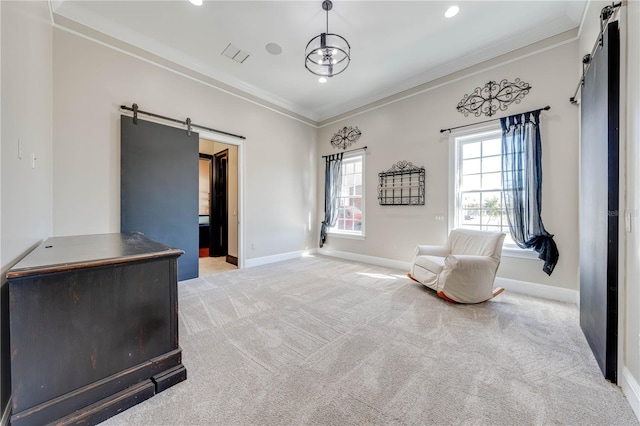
{"points": [[496, 291], [411, 277]]}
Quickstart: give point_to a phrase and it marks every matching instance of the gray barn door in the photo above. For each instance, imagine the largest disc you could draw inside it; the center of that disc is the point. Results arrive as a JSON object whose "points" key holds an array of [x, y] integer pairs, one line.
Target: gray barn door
{"points": [[599, 203], [159, 187]]}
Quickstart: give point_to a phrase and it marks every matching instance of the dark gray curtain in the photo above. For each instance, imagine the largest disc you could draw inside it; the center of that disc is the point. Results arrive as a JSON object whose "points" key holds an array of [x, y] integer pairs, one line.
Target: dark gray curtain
{"points": [[522, 185], [332, 183]]}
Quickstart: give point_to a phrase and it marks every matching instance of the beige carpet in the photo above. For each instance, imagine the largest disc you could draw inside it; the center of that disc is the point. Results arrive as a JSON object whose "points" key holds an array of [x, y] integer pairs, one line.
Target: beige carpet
{"points": [[322, 341]]}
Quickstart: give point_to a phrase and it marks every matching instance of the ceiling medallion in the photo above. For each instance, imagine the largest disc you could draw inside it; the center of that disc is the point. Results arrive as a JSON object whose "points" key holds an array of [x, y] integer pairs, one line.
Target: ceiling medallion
{"points": [[492, 97], [327, 54], [346, 137]]}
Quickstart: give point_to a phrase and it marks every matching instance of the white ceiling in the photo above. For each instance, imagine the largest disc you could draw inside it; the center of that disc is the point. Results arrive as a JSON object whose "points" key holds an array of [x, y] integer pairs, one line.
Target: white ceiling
{"points": [[395, 45]]}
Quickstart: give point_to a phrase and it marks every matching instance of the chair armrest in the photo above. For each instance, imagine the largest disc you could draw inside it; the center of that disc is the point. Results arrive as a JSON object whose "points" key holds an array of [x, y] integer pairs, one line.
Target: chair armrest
{"points": [[442, 251], [467, 261]]}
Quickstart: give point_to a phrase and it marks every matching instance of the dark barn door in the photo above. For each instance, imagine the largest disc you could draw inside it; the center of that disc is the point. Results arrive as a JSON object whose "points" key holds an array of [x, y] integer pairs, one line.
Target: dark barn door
{"points": [[159, 187], [599, 203]]}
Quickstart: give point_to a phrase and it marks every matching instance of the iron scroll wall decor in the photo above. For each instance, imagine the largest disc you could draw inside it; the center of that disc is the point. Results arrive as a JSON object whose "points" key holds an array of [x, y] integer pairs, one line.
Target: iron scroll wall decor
{"points": [[492, 97], [346, 137], [402, 185]]}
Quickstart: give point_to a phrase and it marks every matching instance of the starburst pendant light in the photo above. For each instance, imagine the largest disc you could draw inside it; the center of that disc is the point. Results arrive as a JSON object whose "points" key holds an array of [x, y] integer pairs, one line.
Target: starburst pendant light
{"points": [[327, 54]]}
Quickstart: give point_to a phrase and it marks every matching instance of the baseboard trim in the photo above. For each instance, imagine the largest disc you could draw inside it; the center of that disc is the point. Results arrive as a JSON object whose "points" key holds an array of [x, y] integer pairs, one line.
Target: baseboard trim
{"points": [[6, 414], [265, 260], [529, 288], [232, 260], [631, 390], [539, 290], [517, 286], [378, 261]]}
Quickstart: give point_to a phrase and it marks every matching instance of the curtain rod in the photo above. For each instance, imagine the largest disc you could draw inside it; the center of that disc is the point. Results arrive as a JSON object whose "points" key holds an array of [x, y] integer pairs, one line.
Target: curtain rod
{"points": [[605, 16], [547, 108], [187, 123], [344, 152]]}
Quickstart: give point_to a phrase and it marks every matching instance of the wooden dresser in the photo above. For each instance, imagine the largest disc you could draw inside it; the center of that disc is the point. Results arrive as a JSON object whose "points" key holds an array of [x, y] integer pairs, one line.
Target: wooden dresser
{"points": [[94, 327]]}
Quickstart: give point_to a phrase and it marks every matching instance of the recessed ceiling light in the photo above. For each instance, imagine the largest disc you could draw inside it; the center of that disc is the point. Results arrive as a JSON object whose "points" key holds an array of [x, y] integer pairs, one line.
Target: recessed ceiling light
{"points": [[196, 2], [273, 48], [452, 11], [322, 80]]}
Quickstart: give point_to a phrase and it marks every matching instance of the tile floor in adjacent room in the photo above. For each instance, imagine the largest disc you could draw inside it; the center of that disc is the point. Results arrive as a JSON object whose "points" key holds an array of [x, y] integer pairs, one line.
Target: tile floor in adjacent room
{"points": [[213, 265]]}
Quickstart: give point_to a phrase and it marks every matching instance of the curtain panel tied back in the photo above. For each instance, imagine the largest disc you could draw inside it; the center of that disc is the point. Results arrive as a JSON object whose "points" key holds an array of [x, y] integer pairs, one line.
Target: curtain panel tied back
{"points": [[332, 183], [522, 185]]}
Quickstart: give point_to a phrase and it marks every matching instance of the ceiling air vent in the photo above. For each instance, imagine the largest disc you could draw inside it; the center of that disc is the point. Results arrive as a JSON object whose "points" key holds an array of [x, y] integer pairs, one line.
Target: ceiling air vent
{"points": [[234, 53]]}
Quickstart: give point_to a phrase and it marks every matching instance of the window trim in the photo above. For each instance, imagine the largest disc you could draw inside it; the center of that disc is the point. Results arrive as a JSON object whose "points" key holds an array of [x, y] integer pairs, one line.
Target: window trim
{"points": [[508, 250], [354, 235]]}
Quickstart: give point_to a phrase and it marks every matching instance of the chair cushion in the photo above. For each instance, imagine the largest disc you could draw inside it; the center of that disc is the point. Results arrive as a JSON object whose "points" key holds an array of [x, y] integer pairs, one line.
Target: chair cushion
{"points": [[426, 270], [430, 263]]}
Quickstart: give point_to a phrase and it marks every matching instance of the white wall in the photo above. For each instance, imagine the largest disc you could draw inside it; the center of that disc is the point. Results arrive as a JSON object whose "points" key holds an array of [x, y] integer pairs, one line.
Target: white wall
{"points": [[630, 284], [409, 130], [25, 192], [26, 116], [91, 81]]}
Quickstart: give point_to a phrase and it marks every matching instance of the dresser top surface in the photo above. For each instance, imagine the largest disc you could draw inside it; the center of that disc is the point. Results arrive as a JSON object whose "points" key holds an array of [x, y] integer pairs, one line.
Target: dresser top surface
{"points": [[58, 254]]}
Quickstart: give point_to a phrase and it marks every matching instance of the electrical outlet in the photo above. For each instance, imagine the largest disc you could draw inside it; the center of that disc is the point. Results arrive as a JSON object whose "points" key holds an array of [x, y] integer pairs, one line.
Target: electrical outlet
{"points": [[627, 221], [19, 149], [253, 246]]}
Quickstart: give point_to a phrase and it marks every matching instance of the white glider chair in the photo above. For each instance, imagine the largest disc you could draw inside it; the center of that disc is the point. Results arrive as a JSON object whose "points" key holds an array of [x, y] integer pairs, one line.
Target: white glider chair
{"points": [[463, 271]]}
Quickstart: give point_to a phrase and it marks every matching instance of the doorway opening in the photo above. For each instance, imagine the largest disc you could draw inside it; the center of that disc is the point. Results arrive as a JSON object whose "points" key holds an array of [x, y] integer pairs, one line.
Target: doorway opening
{"points": [[218, 207]]}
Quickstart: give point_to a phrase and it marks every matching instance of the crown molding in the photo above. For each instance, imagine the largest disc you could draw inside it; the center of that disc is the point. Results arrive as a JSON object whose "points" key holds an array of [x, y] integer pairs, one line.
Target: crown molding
{"points": [[234, 87]]}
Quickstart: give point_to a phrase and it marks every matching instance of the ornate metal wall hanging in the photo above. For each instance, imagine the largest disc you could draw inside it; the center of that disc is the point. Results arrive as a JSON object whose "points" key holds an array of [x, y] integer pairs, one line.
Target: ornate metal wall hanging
{"points": [[345, 137], [492, 97], [402, 185]]}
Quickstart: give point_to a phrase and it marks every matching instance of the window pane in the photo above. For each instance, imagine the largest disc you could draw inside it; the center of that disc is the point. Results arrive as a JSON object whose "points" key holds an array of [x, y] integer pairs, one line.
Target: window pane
{"points": [[471, 150], [470, 182], [492, 181], [491, 164], [480, 202], [357, 203], [470, 200], [349, 216], [348, 168], [491, 209], [347, 180], [492, 199], [351, 189], [492, 147], [470, 217], [471, 166]]}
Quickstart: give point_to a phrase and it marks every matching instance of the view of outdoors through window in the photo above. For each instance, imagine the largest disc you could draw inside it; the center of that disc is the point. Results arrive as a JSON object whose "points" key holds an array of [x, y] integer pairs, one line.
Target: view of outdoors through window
{"points": [[350, 211], [480, 203]]}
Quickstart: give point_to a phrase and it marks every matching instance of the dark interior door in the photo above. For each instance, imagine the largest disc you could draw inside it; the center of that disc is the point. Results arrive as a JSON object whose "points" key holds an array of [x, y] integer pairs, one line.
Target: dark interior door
{"points": [[159, 187], [220, 209], [599, 203]]}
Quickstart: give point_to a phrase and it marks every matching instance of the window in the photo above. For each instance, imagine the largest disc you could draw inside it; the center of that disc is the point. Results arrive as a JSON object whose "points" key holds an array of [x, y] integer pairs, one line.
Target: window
{"points": [[478, 183], [351, 197]]}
